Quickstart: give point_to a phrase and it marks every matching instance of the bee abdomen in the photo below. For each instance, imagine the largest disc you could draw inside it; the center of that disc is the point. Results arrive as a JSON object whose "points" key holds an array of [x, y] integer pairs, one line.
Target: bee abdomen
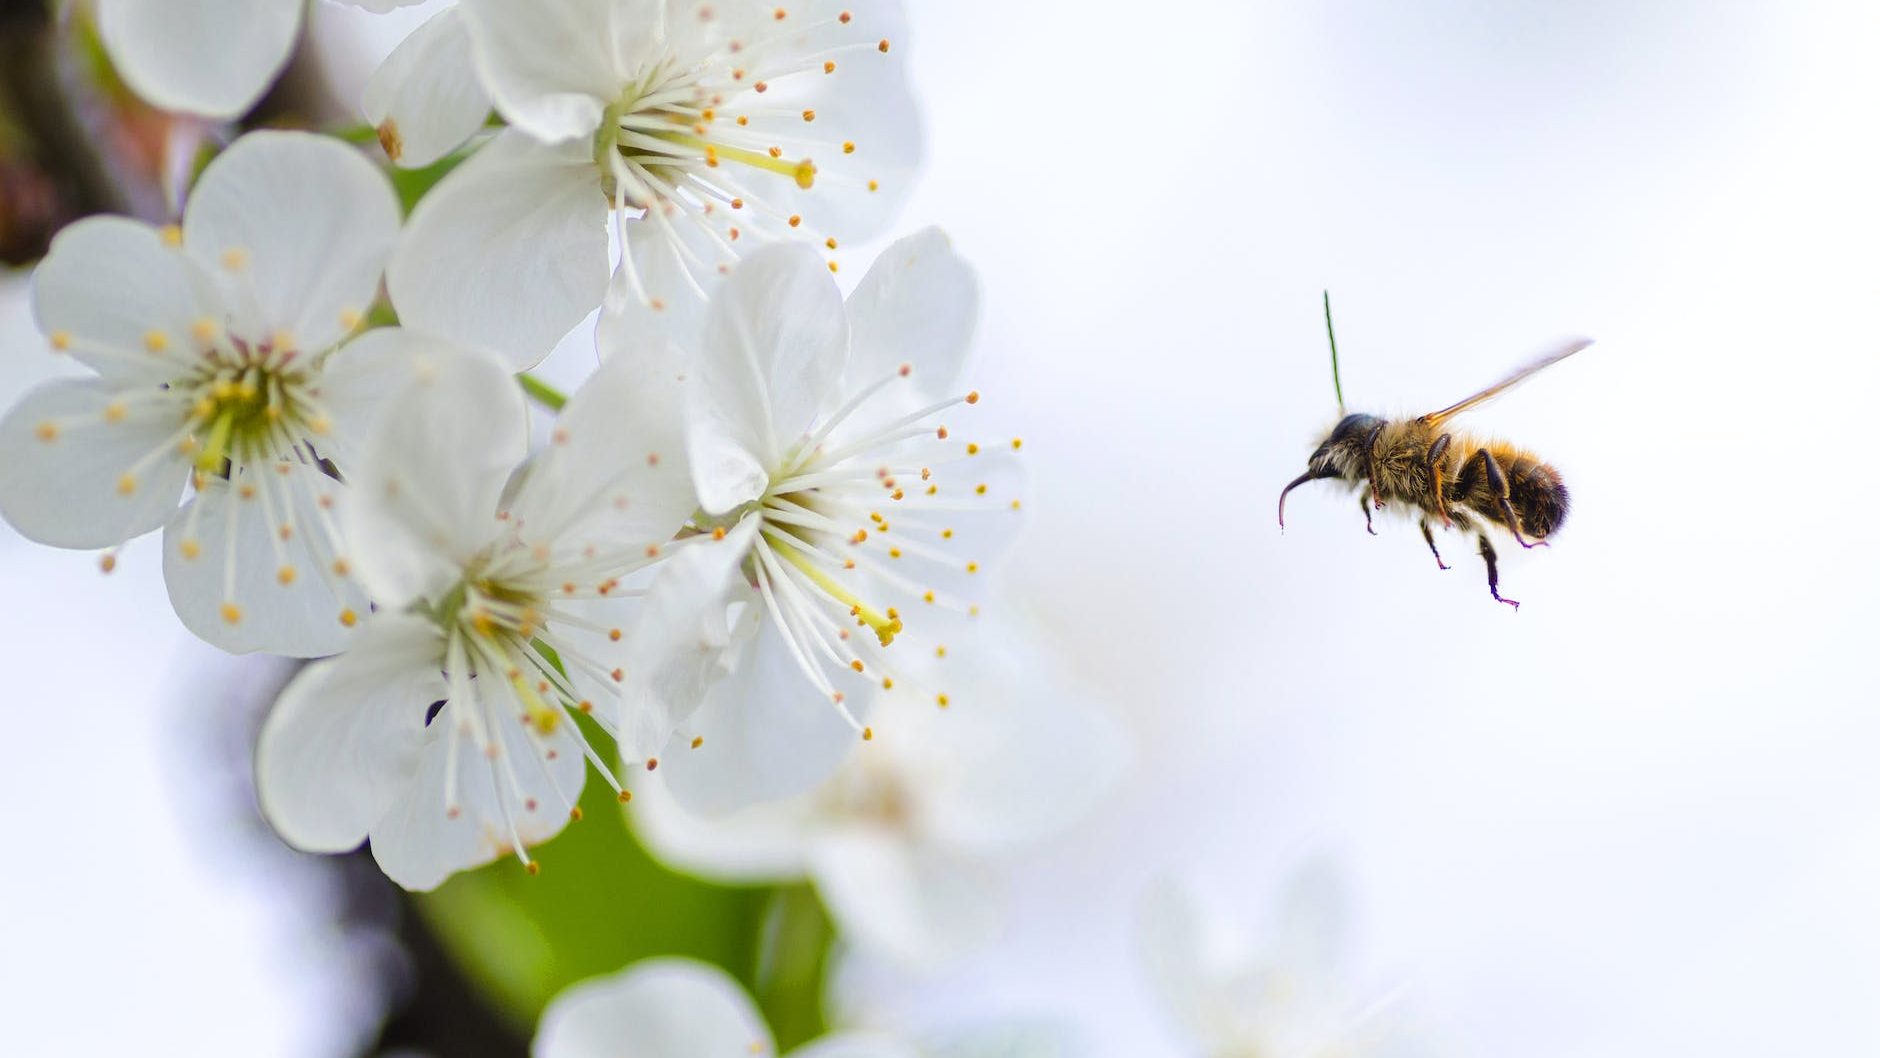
{"points": [[1538, 496]]}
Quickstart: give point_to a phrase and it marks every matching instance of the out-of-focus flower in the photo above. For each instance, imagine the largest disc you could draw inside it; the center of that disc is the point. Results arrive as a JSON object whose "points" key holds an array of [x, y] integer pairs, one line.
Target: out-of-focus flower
{"points": [[214, 346], [816, 446], [445, 734], [213, 58], [902, 843], [1230, 997], [708, 127], [425, 99], [677, 1008]]}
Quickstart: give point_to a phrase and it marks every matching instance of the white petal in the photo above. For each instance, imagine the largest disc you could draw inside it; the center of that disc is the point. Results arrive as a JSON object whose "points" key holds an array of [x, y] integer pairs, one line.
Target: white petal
{"points": [[855, 1045], [111, 282], [1170, 929], [764, 844], [425, 98], [418, 844], [552, 65], [768, 734], [663, 293], [508, 252], [295, 613], [208, 57], [918, 305], [773, 354], [680, 647], [379, 7], [310, 222], [910, 904], [424, 496], [342, 740], [615, 473], [1029, 755], [657, 1008], [71, 491], [865, 102], [358, 383]]}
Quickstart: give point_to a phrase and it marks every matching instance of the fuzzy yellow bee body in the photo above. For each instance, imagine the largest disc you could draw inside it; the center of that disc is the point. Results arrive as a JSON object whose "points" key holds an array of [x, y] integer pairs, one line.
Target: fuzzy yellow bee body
{"points": [[1445, 476]]}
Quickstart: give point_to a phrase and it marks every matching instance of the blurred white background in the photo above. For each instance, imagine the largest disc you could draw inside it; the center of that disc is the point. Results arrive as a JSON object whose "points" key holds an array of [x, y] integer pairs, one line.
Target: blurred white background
{"points": [[1635, 818]]}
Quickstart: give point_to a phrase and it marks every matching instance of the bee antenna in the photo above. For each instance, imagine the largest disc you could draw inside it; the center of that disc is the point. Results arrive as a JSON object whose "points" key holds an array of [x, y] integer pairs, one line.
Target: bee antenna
{"points": [[1337, 387]]}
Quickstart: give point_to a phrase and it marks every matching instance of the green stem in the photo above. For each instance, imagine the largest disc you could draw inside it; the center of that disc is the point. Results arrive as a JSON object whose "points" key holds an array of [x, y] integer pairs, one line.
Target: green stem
{"points": [[792, 962], [543, 393]]}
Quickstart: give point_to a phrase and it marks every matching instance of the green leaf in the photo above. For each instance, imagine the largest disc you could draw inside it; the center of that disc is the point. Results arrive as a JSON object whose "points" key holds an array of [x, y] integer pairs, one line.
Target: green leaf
{"points": [[599, 903]]}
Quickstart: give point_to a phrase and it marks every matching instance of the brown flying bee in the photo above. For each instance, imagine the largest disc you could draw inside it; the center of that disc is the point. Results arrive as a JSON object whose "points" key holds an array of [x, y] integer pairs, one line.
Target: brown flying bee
{"points": [[1444, 475]]}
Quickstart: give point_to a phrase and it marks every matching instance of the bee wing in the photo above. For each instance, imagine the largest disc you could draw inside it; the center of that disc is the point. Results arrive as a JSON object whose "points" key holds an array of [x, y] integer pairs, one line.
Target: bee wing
{"points": [[1506, 384]]}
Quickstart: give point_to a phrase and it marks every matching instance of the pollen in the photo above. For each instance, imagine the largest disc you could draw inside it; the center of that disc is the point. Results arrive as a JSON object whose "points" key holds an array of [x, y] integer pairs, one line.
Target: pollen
{"points": [[946, 534], [1017, 443], [848, 147], [234, 258], [844, 18], [348, 618], [761, 86], [718, 533], [972, 449], [47, 432], [61, 340], [390, 141], [652, 763], [874, 185], [203, 329], [697, 741], [341, 567], [829, 67], [286, 575], [231, 613], [833, 267], [613, 634], [781, 14], [795, 220], [927, 597], [171, 235], [868, 734], [941, 701], [809, 115], [887, 683], [973, 397], [972, 567], [883, 46], [979, 489], [126, 485], [190, 548], [156, 341], [856, 665]]}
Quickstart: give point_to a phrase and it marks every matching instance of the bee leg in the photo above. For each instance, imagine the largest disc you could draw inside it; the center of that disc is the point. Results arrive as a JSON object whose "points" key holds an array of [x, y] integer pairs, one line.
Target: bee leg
{"points": [[1370, 463], [1487, 551], [1434, 463], [1424, 524], [1498, 483], [1365, 506]]}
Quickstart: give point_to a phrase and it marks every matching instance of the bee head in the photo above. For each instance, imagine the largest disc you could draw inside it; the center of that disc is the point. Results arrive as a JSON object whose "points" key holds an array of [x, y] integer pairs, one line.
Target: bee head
{"points": [[1343, 448]]}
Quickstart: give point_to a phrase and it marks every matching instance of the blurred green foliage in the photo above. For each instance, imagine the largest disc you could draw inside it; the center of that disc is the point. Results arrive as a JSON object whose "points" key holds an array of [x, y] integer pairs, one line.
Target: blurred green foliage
{"points": [[602, 902]]}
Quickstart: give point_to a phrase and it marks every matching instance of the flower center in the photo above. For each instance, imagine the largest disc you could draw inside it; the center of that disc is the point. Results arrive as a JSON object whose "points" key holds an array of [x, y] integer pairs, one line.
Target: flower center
{"points": [[826, 558]]}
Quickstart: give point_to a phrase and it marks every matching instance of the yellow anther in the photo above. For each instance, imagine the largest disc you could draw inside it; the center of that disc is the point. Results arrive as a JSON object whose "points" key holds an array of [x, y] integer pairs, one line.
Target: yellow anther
{"points": [[833, 267], [1017, 443], [156, 341], [868, 734], [348, 618], [286, 575], [946, 534], [809, 115], [829, 67], [203, 329], [927, 597], [234, 258], [972, 567], [972, 449], [887, 683], [107, 562], [856, 665], [390, 140], [47, 431], [697, 741], [190, 548], [61, 340], [941, 700], [795, 220], [171, 235], [883, 46], [980, 489], [126, 485], [231, 613], [341, 567], [350, 318], [282, 339], [848, 146], [940, 652]]}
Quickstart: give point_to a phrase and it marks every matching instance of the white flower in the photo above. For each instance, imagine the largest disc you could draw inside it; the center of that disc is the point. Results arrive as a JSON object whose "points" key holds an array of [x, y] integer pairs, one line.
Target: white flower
{"points": [[213, 58], [500, 598], [1232, 998], [707, 126], [902, 843], [213, 345], [677, 1008], [425, 99], [858, 520]]}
